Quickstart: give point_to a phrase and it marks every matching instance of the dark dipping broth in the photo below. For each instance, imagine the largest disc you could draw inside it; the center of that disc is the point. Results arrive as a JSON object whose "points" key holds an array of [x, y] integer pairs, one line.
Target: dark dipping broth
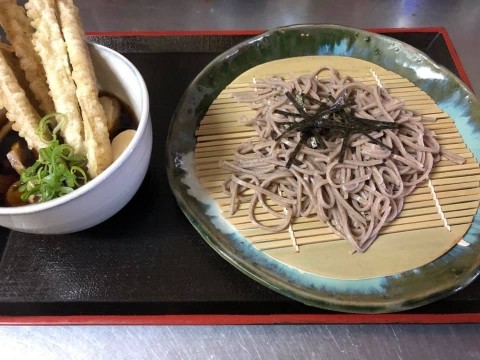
{"points": [[9, 177]]}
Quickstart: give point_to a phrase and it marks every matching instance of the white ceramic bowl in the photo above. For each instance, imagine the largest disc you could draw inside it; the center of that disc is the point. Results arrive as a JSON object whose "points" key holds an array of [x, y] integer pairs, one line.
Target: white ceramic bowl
{"points": [[105, 195]]}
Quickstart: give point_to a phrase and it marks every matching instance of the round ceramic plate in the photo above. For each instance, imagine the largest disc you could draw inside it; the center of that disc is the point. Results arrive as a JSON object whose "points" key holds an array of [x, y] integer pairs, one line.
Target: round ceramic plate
{"points": [[409, 289]]}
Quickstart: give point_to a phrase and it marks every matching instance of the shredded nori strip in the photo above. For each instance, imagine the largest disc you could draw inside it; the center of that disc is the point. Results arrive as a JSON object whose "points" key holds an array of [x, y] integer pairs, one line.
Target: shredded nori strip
{"points": [[329, 122]]}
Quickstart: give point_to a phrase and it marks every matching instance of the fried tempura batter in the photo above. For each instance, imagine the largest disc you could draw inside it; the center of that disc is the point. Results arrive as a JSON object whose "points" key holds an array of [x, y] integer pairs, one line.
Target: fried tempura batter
{"points": [[112, 109], [19, 109], [14, 64], [19, 32], [53, 69], [97, 142], [49, 44]]}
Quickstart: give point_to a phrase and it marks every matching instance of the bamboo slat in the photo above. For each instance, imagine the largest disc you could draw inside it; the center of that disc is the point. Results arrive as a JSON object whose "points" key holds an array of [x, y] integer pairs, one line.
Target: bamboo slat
{"points": [[456, 187]]}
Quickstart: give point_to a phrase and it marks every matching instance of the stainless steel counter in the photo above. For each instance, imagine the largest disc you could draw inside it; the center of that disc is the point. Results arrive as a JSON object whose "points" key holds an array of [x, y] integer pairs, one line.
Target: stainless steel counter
{"points": [[460, 18], [242, 342]]}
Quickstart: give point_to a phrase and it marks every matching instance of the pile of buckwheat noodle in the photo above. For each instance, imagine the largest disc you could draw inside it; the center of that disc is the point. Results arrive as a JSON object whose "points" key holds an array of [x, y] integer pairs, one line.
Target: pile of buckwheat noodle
{"points": [[355, 198]]}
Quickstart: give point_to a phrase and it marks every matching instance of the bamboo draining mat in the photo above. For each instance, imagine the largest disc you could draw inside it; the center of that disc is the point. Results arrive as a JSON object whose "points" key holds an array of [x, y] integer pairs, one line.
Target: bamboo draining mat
{"points": [[456, 187]]}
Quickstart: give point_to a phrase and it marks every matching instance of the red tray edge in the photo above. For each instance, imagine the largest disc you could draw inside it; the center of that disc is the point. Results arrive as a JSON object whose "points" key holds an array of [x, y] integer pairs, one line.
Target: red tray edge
{"points": [[206, 319]]}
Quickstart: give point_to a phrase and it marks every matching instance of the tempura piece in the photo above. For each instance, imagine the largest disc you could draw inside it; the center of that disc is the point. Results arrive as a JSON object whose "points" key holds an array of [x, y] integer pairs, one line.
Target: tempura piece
{"points": [[5, 125], [97, 141], [14, 64], [19, 32], [112, 109], [19, 109], [5, 130], [49, 44], [3, 116], [4, 46], [20, 157]]}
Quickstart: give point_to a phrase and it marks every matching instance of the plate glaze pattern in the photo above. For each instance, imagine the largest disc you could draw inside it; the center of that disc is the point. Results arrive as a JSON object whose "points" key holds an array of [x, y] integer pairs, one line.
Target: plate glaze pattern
{"points": [[403, 291]]}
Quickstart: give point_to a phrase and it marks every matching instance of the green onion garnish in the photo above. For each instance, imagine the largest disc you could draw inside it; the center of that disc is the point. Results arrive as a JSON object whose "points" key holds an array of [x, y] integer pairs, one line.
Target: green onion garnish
{"points": [[58, 170]]}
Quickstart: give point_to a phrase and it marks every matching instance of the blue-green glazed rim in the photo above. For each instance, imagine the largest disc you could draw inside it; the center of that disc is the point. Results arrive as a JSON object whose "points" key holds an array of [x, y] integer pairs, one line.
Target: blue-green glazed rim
{"points": [[403, 291]]}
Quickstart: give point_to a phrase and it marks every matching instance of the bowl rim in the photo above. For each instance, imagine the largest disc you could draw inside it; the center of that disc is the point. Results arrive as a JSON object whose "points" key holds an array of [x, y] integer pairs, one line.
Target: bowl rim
{"points": [[102, 177]]}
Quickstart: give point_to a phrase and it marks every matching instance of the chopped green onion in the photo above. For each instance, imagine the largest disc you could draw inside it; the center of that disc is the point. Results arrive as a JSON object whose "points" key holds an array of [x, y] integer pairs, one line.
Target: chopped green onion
{"points": [[58, 170]]}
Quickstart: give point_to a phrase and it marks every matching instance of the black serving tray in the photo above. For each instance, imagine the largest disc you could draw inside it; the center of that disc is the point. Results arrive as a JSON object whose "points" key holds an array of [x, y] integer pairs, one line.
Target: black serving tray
{"points": [[148, 260]]}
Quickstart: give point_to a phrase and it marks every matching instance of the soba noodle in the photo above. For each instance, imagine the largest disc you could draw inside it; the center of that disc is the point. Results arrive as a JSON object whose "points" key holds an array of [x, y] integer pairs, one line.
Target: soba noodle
{"points": [[356, 197]]}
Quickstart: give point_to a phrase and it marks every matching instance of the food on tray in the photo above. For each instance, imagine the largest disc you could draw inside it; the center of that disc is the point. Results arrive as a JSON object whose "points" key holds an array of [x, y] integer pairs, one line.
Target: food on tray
{"points": [[19, 31], [334, 147], [49, 91]]}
